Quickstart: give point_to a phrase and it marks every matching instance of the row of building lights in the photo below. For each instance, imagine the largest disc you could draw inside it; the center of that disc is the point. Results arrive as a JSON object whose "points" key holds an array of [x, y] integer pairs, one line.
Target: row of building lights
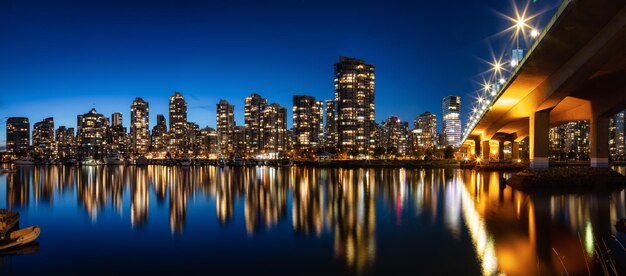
{"points": [[494, 85]]}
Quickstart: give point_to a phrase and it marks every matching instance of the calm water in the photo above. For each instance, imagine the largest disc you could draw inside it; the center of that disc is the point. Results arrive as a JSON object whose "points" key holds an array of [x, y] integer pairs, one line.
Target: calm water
{"points": [[116, 220]]}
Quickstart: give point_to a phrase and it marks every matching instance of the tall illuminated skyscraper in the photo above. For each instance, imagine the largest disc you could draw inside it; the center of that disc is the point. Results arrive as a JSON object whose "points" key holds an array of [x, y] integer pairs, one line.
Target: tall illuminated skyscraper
{"points": [[43, 138], [451, 109], [425, 131], [65, 142], [117, 135], [116, 119], [92, 130], [308, 121], [139, 126], [159, 137], [178, 122], [617, 140], [253, 108], [225, 119], [330, 129], [394, 135], [354, 96], [273, 128], [516, 56], [570, 141], [18, 136], [239, 139]]}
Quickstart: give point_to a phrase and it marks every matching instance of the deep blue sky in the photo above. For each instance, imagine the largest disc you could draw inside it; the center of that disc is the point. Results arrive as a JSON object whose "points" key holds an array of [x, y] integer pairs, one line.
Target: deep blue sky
{"points": [[60, 58]]}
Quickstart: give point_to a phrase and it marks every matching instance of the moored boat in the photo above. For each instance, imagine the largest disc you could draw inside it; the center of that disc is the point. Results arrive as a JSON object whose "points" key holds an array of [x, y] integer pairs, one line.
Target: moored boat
{"points": [[70, 161], [114, 158], [20, 237], [89, 161], [237, 161], [9, 170], [185, 161], [285, 162], [221, 162]]}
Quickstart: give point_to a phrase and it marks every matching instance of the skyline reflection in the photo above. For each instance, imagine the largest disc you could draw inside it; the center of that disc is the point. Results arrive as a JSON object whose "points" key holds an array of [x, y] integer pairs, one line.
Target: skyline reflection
{"points": [[508, 231]]}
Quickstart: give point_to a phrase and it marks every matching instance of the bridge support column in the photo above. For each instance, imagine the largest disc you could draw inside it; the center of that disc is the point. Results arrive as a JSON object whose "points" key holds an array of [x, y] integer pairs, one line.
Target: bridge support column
{"points": [[539, 139], [484, 150], [501, 150], [477, 151], [514, 151], [599, 142]]}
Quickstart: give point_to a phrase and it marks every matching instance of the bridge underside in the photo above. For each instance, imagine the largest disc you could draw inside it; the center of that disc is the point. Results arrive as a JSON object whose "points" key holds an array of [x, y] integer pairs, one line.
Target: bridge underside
{"points": [[576, 71]]}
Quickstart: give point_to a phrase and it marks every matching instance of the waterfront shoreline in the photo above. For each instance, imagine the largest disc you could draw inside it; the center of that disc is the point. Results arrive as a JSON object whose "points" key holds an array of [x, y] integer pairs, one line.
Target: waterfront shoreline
{"points": [[558, 179]]}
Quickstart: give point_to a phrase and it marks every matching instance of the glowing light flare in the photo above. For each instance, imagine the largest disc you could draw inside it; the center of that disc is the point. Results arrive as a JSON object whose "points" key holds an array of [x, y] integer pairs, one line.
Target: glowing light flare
{"points": [[520, 22], [534, 33]]}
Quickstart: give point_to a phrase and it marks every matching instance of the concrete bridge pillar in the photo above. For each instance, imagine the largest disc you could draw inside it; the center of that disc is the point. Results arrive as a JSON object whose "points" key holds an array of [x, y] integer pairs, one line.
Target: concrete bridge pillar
{"points": [[514, 151], [477, 150], [599, 142], [501, 150], [484, 151], [539, 139]]}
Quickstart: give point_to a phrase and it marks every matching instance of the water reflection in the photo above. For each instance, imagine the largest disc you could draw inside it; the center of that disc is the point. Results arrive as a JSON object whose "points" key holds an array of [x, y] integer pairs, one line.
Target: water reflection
{"points": [[506, 231]]}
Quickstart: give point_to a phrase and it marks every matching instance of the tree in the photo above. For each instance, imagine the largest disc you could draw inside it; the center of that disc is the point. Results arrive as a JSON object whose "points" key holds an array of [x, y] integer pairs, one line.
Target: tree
{"points": [[448, 152], [379, 151]]}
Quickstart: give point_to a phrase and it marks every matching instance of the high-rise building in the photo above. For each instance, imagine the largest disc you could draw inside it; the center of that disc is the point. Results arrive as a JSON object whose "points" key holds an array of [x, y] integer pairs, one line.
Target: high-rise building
{"points": [[193, 139], [178, 122], [253, 109], [354, 96], [617, 140], [117, 135], [18, 136], [225, 124], [139, 126], [65, 142], [273, 128], [331, 124], [116, 119], [91, 137], [570, 141], [394, 135], [43, 138], [239, 139], [291, 139], [209, 141], [451, 108], [159, 138], [516, 56], [308, 122], [425, 131]]}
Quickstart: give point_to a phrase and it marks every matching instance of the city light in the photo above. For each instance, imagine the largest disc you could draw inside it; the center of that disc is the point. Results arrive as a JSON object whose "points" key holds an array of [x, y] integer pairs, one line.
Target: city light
{"points": [[534, 33], [520, 27], [520, 23]]}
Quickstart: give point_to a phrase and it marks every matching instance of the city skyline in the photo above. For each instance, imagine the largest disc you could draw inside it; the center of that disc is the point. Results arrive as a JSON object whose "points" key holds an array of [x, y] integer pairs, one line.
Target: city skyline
{"points": [[193, 68]]}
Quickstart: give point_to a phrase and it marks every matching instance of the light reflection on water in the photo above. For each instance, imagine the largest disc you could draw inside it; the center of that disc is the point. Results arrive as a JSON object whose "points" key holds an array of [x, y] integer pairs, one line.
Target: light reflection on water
{"points": [[439, 221]]}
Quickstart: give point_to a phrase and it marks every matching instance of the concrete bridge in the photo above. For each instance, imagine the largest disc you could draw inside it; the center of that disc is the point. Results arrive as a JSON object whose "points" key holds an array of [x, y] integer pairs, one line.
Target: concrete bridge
{"points": [[575, 70]]}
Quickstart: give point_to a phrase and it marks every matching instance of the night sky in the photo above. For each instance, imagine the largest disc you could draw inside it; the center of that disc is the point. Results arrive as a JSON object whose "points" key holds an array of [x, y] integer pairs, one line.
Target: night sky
{"points": [[61, 58]]}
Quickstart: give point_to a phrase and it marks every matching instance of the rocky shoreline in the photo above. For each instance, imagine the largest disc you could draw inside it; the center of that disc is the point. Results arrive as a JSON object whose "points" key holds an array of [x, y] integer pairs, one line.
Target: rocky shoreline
{"points": [[567, 178]]}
